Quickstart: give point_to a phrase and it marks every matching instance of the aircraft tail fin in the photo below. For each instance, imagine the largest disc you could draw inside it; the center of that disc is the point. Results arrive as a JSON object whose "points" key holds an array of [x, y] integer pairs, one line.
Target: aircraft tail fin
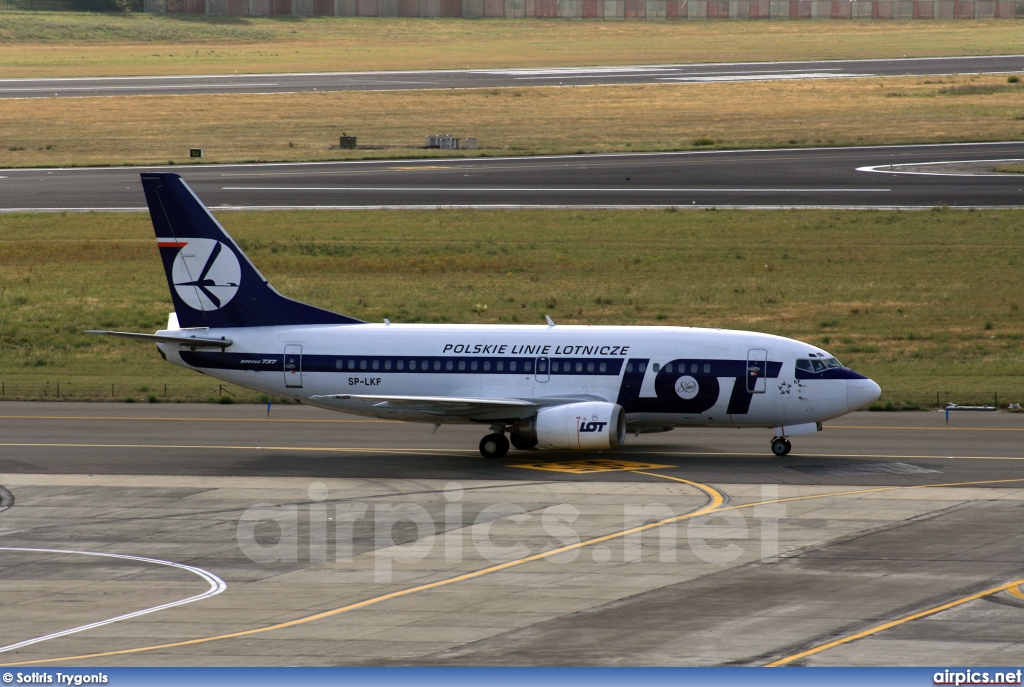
{"points": [[212, 282]]}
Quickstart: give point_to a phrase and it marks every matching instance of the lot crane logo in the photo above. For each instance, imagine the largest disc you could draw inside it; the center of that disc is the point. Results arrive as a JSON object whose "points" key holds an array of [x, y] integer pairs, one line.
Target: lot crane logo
{"points": [[206, 273], [687, 387]]}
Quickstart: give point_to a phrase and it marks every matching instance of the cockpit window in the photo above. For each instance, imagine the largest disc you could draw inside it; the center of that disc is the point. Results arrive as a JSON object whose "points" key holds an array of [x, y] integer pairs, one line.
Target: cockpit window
{"points": [[817, 364]]}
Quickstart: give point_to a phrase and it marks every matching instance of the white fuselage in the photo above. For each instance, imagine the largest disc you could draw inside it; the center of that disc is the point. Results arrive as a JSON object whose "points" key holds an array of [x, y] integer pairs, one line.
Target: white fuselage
{"points": [[662, 376]]}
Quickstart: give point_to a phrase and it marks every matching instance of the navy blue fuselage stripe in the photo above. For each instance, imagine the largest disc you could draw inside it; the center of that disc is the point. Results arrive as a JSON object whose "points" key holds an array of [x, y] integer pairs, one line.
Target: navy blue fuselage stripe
{"points": [[424, 364], [700, 377]]}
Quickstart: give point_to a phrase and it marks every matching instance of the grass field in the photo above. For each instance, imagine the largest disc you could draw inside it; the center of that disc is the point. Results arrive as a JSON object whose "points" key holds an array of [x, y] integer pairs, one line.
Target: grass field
{"points": [[926, 303], [520, 121], [34, 44]]}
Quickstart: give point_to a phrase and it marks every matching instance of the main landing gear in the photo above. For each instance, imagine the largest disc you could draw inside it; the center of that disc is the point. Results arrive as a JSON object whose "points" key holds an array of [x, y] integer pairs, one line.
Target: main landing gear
{"points": [[521, 442], [494, 445], [780, 446]]}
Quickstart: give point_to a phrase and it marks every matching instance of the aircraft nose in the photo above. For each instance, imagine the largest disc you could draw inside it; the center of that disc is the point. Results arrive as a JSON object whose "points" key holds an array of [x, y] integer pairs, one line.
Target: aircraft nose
{"points": [[861, 392]]}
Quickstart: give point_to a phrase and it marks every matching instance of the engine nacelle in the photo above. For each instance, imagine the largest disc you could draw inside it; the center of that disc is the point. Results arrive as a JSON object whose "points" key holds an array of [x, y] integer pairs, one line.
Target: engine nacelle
{"points": [[588, 426]]}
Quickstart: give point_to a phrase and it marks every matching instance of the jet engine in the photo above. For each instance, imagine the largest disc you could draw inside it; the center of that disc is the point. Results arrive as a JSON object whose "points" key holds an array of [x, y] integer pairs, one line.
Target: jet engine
{"points": [[588, 426]]}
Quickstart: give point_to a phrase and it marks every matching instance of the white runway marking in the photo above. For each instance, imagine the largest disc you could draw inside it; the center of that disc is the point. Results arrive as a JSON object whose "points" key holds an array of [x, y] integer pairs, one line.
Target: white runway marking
{"points": [[762, 77], [217, 586], [49, 89], [940, 172], [555, 72]]}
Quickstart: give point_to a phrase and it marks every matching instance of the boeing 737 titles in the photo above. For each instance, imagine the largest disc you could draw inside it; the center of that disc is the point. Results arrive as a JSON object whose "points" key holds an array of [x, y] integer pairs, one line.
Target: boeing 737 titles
{"points": [[544, 386]]}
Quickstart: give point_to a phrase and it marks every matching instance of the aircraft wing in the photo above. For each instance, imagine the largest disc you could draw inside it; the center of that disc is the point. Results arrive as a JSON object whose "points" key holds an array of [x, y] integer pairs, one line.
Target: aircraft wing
{"points": [[196, 341], [438, 405]]}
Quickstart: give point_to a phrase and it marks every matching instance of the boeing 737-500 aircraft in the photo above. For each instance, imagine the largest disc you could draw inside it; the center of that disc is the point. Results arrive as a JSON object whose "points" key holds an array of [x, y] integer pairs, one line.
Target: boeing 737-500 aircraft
{"points": [[545, 386]]}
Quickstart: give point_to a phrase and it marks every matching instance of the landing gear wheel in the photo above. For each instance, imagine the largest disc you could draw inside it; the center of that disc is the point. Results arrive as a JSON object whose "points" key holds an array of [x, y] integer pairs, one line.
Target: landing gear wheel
{"points": [[520, 443], [781, 446], [494, 446]]}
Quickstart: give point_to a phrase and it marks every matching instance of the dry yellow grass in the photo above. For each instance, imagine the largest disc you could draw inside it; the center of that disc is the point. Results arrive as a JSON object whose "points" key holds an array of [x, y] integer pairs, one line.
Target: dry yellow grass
{"points": [[89, 45], [232, 128]]}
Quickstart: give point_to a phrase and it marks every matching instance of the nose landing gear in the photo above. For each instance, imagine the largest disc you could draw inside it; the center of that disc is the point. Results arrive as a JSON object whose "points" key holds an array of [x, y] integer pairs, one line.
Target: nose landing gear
{"points": [[781, 446]]}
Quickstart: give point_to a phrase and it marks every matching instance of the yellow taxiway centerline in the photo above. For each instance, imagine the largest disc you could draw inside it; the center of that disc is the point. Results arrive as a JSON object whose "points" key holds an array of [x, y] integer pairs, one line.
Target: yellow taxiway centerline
{"points": [[894, 623], [1016, 591], [716, 499]]}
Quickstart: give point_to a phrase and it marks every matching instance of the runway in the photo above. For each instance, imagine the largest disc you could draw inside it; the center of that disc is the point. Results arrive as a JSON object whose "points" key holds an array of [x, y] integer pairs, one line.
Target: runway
{"points": [[856, 177], [503, 78], [887, 539]]}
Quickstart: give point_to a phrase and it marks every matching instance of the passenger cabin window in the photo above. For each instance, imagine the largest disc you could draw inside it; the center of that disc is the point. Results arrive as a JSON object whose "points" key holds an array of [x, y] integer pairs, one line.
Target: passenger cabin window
{"points": [[707, 368], [387, 364], [602, 367], [362, 364], [668, 368], [473, 365], [412, 364], [462, 365], [437, 364], [656, 367], [487, 366], [401, 364], [376, 365]]}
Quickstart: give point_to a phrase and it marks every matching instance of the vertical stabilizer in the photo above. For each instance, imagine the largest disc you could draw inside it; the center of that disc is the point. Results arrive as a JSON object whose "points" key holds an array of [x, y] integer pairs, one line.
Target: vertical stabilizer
{"points": [[212, 282]]}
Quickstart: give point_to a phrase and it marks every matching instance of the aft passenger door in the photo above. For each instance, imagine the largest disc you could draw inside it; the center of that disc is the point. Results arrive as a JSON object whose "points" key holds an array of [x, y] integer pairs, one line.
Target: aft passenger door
{"points": [[757, 370], [293, 366]]}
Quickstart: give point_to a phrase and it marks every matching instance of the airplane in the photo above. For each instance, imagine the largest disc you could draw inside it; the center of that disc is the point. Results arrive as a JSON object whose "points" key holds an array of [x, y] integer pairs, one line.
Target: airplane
{"points": [[565, 387]]}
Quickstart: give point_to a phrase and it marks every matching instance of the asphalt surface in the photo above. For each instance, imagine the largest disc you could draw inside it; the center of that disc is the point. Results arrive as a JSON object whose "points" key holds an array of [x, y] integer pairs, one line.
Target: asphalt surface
{"points": [[882, 517], [300, 441], [499, 78], [902, 177]]}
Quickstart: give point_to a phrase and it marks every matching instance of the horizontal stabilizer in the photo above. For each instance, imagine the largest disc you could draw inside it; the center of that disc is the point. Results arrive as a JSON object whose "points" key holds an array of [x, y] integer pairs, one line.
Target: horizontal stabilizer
{"points": [[194, 341]]}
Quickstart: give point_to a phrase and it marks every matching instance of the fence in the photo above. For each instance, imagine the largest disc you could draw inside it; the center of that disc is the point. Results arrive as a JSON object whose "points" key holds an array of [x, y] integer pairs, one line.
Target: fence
{"points": [[174, 391], [897, 399]]}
